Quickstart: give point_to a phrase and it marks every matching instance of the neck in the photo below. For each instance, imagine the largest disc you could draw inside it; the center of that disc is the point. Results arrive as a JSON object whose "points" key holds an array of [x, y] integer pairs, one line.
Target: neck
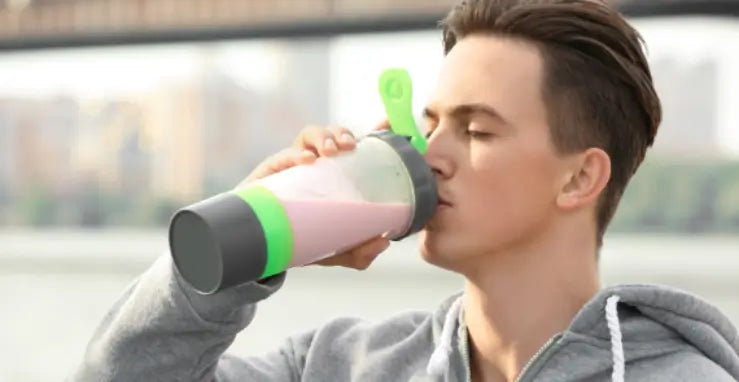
{"points": [[516, 300]]}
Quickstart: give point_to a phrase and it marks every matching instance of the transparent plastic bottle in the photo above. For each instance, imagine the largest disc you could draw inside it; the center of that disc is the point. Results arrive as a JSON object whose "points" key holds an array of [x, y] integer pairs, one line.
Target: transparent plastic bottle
{"points": [[305, 213]]}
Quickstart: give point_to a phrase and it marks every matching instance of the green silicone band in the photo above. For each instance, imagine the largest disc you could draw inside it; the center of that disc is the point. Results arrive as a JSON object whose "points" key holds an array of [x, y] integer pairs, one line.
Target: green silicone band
{"points": [[277, 229], [396, 91]]}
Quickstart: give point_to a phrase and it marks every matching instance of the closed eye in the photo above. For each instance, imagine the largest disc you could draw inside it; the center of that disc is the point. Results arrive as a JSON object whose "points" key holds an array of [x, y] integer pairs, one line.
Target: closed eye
{"points": [[479, 134]]}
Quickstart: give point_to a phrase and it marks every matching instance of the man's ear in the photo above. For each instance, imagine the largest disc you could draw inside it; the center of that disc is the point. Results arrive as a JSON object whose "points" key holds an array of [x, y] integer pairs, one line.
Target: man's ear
{"points": [[588, 175]]}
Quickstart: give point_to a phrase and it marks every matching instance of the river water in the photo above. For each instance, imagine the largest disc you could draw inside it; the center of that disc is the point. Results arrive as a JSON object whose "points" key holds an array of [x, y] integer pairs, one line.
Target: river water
{"points": [[55, 287]]}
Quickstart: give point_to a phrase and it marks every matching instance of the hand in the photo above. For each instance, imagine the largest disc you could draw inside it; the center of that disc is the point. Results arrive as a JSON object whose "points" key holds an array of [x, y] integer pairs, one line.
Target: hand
{"points": [[311, 143]]}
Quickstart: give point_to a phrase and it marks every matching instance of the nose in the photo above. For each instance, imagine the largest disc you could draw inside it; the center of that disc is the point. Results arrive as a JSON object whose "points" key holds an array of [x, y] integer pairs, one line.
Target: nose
{"points": [[439, 153]]}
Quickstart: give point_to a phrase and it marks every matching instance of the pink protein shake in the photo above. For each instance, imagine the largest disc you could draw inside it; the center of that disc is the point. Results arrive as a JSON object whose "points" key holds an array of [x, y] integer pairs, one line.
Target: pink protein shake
{"points": [[320, 226]]}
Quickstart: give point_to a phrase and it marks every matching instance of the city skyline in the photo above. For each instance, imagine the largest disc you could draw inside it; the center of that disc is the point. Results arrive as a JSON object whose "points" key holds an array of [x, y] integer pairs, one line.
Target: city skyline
{"points": [[187, 121]]}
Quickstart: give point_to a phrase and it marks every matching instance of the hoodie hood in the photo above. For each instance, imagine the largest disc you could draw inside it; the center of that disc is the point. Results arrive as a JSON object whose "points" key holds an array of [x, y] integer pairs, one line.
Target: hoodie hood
{"points": [[625, 332]]}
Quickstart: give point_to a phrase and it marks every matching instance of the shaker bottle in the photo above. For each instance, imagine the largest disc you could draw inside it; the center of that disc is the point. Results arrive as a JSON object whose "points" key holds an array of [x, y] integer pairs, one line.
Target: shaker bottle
{"points": [[309, 212]]}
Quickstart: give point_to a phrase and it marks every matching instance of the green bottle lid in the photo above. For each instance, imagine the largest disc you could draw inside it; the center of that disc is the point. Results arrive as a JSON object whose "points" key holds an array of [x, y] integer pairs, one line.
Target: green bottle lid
{"points": [[396, 91]]}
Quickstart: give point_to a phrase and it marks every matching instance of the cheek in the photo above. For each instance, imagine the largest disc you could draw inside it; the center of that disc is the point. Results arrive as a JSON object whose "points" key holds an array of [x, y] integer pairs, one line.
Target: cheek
{"points": [[511, 191]]}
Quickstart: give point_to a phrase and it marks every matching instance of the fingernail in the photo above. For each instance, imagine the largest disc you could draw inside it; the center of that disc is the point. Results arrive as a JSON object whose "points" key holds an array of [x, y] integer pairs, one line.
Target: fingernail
{"points": [[329, 144], [347, 138]]}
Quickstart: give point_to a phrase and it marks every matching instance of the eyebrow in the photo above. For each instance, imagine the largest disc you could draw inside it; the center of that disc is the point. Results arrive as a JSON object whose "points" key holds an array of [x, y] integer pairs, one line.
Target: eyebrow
{"points": [[465, 110]]}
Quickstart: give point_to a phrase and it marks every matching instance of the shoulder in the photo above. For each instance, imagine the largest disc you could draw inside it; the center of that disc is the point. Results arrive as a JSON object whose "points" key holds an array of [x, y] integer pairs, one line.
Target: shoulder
{"points": [[393, 328], [339, 343], [421, 326], [348, 335], [406, 334], [686, 365]]}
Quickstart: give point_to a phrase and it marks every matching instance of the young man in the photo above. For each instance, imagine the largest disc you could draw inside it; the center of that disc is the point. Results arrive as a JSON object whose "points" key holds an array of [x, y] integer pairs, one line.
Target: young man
{"points": [[542, 112]]}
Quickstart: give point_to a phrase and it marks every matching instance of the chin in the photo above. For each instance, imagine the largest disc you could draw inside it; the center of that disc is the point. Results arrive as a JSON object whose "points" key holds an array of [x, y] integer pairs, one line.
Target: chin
{"points": [[435, 248], [454, 251]]}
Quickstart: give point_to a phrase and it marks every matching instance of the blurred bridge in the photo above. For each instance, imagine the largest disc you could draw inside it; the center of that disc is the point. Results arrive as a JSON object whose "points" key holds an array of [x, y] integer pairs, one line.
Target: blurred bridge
{"points": [[32, 24]]}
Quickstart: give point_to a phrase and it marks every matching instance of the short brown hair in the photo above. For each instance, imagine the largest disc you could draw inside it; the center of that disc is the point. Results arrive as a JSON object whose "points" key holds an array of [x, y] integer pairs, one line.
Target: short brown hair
{"points": [[597, 84]]}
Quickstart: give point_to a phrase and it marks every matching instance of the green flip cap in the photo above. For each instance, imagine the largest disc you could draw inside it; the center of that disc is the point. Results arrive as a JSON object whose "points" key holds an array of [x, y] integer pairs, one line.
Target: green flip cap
{"points": [[396, 91]]}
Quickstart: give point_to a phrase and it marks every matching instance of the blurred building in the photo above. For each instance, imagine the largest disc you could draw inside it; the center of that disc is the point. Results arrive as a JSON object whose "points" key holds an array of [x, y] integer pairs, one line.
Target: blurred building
{"points": [[172, 117], [7, 160], [244, 124], [179, 140], [7, 148], [37, 139], [693, 62], [689, 94]]}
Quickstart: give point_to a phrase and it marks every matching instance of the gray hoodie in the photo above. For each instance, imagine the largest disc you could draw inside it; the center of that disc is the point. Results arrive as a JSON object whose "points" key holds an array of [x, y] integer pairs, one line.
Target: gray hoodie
{"points": [[162, 330]]}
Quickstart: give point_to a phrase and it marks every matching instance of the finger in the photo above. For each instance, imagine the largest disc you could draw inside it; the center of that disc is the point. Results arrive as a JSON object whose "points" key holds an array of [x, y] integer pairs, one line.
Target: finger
{"points": [[302, 157], [359, 257], [347, 260], [363, 256], [318, 140], [282, 160], [343, 137], [288, 158], [384, 125]]}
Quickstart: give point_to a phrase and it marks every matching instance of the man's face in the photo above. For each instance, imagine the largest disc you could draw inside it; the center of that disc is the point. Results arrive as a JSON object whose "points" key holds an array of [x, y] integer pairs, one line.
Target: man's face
{"points": [[490, 148]]}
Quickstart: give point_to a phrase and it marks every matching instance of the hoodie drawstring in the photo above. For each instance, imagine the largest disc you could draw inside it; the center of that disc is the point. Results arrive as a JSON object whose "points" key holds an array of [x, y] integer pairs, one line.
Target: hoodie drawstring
{"points": [[439, 360], [617, 348]]}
